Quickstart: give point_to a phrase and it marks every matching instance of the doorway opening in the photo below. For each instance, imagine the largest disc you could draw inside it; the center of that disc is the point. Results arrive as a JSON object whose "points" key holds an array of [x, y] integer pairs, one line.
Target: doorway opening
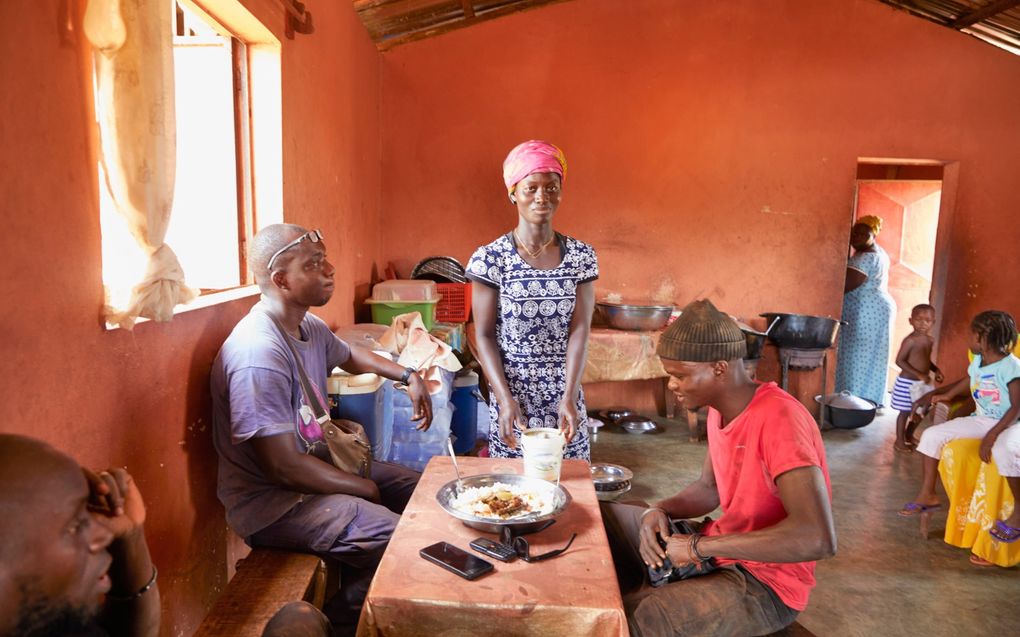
{"points": [[914, 198]]}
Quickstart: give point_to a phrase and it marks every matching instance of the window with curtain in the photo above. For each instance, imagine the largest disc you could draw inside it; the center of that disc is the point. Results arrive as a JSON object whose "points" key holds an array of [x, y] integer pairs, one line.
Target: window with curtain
{"points": [[176, 214]]}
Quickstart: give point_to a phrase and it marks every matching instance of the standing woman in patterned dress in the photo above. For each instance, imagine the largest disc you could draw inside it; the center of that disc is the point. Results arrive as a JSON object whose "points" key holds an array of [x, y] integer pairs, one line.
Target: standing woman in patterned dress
{"points": [[533, 298], [868, 310]]}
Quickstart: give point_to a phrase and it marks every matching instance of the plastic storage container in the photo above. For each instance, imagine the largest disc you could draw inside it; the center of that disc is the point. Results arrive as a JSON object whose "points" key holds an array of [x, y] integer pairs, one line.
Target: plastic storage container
{"points": [[366, 399], [405, 290], [400, 296], [413, 448], [465, 400]]}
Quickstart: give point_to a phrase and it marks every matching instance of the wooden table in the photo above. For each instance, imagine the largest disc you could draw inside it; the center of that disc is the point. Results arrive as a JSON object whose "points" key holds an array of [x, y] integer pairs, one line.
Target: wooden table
{"points": [[573, 594]]}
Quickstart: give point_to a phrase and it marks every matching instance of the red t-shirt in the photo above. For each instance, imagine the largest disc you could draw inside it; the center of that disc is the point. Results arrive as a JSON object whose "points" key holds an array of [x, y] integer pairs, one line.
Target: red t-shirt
{"points": [[773, 435]]}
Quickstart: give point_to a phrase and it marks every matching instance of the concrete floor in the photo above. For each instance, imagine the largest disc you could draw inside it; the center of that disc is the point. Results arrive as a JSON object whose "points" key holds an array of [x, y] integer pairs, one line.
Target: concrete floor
{"points": [[884, 580]]}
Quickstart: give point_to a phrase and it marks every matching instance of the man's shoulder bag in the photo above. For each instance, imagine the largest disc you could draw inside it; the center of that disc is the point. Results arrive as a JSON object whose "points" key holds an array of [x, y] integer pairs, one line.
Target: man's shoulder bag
{"points": [[346, 440]]}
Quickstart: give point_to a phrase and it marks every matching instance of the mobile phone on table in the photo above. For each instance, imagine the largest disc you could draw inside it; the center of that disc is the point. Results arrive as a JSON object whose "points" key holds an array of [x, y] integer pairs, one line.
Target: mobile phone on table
{"points": [[457, 560], [501, 552]]}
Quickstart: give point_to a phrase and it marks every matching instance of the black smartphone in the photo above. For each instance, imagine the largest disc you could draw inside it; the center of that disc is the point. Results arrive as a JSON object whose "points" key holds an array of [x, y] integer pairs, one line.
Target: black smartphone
{"points": [[457, 560], [501, 552]]}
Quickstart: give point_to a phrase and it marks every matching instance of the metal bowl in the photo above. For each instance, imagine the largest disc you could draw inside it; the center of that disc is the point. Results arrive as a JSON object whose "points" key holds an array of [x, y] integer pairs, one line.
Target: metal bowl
{"points": [[518, 526], [638, 425], [614, 414], [623, 316], [607, 476]]}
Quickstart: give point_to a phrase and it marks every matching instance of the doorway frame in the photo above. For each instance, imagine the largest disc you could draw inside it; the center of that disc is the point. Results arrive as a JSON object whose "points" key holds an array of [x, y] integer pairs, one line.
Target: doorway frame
{"points": [[943, 232]]}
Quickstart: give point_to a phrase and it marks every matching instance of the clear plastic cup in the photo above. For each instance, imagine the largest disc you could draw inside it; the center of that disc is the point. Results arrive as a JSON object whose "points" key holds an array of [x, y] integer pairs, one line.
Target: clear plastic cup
{"points": [[543, 453]]}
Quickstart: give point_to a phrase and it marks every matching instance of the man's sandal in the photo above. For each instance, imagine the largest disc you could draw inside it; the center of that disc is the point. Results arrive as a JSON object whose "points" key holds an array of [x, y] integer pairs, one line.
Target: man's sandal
{"points": [[1004, 532]]}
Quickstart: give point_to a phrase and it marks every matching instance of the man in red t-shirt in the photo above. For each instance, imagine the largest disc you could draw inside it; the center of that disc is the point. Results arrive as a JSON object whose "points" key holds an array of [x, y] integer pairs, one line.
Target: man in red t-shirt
{"points": [[750, 572]]}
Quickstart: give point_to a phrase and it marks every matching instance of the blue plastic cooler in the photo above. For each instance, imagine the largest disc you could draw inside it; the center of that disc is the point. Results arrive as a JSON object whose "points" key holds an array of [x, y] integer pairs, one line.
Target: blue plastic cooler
{"points": [[465, 415], [367, 400]]}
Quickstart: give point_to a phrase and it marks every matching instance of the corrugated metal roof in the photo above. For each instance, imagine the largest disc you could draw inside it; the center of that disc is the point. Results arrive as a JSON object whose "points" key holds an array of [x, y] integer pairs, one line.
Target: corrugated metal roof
{"points": [[994, 21], [395, 22]]}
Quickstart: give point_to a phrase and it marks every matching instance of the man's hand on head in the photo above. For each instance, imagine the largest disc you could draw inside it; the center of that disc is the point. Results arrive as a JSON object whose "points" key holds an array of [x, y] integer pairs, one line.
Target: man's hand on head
{"points": [[114, 497]]}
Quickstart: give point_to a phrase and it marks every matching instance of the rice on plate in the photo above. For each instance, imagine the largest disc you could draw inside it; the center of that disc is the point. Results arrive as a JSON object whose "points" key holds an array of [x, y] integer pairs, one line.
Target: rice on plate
{"points": [[501, 501]]}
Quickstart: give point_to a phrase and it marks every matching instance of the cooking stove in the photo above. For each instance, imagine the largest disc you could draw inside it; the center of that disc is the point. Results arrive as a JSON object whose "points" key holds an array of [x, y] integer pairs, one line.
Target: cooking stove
{"points": [[805, 360]]}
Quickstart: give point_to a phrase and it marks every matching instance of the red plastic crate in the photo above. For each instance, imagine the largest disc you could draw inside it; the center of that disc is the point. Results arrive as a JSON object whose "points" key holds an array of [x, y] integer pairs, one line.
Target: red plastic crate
{"points": [[454, 302]]}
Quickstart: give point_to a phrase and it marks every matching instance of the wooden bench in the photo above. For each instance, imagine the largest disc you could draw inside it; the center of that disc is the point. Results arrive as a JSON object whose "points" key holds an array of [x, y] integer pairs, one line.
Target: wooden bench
{"points": [[265, 581]]}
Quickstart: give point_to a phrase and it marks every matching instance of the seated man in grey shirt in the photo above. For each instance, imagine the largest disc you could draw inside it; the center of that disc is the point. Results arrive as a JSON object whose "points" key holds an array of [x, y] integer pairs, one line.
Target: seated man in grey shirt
{"points": [[275, 493]]}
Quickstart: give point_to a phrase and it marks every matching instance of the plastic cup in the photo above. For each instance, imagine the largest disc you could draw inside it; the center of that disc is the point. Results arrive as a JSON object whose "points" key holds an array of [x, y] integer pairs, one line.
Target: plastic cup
{"points": [[543, 453]]}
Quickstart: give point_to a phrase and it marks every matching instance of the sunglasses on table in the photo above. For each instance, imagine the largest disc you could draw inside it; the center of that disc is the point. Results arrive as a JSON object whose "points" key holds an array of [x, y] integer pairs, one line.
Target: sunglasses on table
{"points": [[312, 235], [520, 546]]}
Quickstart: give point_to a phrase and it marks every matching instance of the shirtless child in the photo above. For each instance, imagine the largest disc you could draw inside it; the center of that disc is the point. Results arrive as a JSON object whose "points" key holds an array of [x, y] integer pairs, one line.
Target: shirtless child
{"points": [[914, 361]]}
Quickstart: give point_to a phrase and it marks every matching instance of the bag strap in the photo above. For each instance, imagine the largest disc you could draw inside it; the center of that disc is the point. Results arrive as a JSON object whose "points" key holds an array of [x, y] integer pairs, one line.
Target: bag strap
{"points": [[313, 399]]}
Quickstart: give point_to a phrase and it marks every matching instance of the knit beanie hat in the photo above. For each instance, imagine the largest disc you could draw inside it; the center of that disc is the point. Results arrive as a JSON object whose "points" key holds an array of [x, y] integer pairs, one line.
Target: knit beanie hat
{"points": [[702, 334]]}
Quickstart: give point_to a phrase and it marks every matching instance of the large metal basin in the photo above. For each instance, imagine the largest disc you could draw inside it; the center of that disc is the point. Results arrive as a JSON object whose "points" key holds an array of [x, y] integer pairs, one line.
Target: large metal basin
{"points": [[518, 526], [802, 331], [631, 316]]}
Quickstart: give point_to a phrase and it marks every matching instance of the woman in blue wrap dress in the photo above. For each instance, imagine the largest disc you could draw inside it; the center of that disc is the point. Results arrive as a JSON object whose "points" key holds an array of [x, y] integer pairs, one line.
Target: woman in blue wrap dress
{"points": [[868, 310], [533, 298]]}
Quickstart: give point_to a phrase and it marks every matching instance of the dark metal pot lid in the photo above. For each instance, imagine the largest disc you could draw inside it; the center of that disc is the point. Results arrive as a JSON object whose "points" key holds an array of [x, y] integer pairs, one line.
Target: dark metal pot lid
{"points": [[846, 400]]}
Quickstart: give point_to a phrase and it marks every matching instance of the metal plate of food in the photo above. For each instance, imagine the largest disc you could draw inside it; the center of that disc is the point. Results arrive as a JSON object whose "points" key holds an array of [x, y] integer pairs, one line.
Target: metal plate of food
{"points": [[483, 500], [638, 425]]}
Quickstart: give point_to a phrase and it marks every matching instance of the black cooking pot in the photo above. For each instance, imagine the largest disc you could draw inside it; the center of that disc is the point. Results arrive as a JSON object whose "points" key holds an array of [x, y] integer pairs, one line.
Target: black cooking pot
{"points": [[846, 411], [802, 331], [755, 342]]}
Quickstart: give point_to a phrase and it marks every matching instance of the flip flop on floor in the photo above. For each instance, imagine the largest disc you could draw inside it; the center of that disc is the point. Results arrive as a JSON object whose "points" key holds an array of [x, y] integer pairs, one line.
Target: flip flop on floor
{"points": [[980, 561], [914, 508], [904, 449], [1004, 532]]}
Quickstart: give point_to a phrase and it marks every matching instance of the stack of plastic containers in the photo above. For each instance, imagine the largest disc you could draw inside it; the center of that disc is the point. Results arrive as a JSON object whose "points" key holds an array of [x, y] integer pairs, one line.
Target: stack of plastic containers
{"points": [[401, 296], [413, 448], [367, 399]]}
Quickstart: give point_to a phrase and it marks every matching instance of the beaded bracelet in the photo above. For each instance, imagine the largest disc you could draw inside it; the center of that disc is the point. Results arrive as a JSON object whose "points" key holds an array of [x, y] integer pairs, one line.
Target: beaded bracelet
{"points": [[142, 591]]}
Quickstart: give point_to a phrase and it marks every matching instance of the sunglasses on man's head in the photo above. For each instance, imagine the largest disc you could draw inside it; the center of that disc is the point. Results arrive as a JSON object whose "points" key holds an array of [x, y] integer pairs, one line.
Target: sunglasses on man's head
{"points": [[520, 546], [312, 235]]}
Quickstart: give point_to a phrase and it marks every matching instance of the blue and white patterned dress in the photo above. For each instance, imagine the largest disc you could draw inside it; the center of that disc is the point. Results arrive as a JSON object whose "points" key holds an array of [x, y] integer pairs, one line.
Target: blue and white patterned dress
{"points": [[864, 341], [532, 329]]}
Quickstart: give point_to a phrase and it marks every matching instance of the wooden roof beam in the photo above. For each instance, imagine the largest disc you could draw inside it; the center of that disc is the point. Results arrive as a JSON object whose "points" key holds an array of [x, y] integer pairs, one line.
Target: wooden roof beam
{"points": [[988, 11], [469, 8]]}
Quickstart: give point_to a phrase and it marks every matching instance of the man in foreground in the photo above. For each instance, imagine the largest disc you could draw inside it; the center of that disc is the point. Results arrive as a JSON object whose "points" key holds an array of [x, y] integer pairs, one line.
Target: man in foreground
{"points": [[73, 557], [276, 491], [750, 571]]}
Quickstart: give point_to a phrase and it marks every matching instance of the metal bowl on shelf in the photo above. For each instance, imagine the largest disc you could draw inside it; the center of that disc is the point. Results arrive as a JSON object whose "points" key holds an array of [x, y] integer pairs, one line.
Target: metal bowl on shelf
{"points": [[634, 316], [559, 496]]}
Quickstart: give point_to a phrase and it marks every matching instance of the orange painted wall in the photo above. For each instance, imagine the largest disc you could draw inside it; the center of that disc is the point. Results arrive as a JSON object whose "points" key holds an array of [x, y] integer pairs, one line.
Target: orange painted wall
{"points": [[140, 399], [713, 146]]}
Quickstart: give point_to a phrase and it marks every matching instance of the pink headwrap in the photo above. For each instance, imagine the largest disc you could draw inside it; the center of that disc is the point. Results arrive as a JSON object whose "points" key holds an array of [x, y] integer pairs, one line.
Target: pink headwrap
{"points": [[533, 156]]}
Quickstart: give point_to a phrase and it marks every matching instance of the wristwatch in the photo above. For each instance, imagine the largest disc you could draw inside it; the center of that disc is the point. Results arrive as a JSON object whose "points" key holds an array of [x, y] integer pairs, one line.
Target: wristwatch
{"points": [[407, 375]]}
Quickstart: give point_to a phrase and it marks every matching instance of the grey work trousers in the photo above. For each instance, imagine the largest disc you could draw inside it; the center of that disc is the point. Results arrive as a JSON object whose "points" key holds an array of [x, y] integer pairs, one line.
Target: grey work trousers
{"points": [[727, 601], [348, 530]]}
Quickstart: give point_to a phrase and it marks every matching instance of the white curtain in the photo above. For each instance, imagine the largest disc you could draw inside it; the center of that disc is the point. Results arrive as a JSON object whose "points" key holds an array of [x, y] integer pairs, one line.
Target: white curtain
{"points": [[133, 46]]}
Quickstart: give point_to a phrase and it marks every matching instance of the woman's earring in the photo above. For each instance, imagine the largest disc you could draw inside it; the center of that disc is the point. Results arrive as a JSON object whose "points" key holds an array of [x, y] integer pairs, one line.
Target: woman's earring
{"points": [[513, 199]]}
